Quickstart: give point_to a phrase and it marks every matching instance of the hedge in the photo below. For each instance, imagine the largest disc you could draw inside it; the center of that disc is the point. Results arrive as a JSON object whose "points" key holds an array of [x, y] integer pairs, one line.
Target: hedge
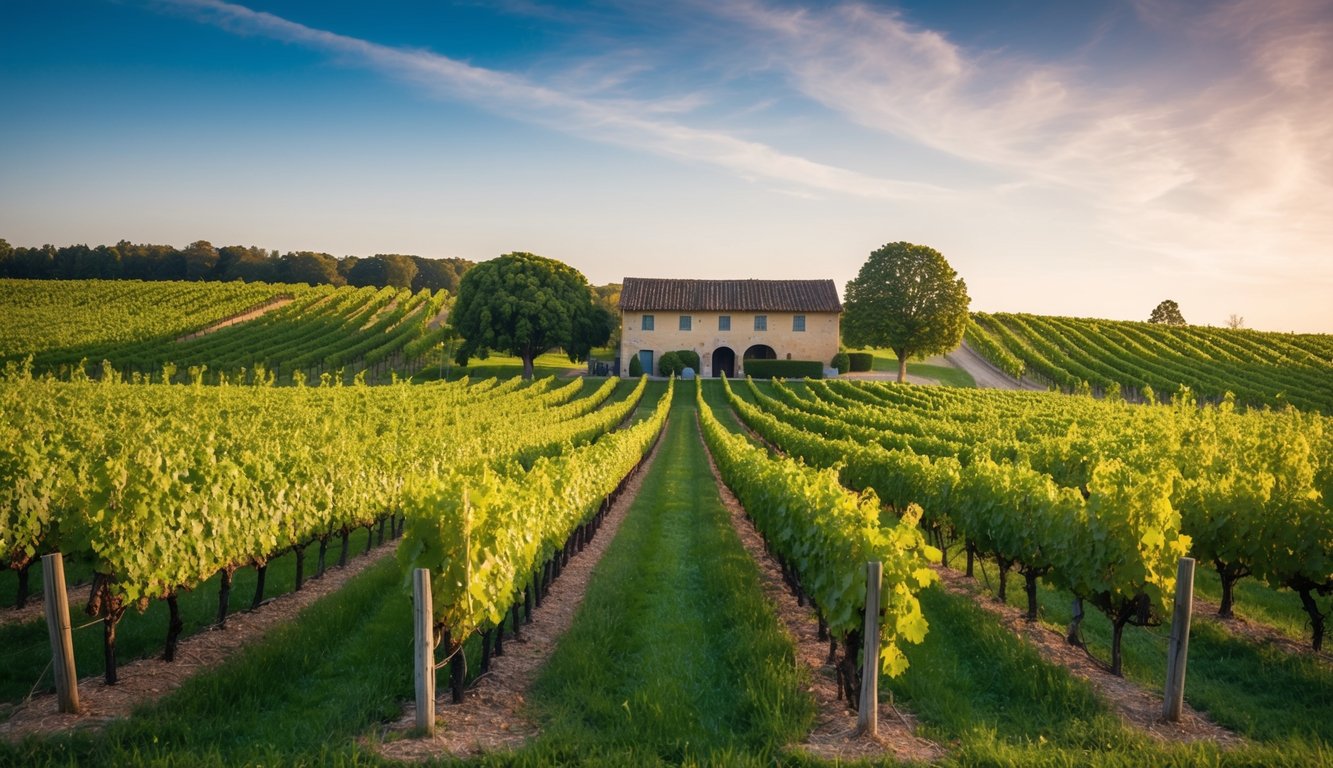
{"points": [[688, 359], [842, 362], [785, 369], [861, 361]]}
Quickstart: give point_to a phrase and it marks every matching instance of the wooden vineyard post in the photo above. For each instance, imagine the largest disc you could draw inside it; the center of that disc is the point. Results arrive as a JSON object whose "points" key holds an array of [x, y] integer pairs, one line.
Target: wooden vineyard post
{"points": [[57, 625], [1177, 649], [868, 721], [422, 617]]}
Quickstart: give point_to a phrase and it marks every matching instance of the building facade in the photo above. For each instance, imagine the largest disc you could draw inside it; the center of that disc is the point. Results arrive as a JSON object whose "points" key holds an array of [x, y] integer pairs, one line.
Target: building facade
{"points": [[728, 321]]}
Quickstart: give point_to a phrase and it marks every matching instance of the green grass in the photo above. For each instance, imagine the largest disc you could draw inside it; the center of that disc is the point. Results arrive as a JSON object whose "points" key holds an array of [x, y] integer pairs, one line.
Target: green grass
{"points": [[1263, 693], [947, 375], [504, 366], [974, 681], [77, 571], [26, 647], [1255, 601], [885, 361], [300, 696], [675, 655]]}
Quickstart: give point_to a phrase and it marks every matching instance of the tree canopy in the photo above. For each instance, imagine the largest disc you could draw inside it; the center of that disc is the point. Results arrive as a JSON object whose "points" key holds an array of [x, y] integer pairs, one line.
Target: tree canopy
{"points": [[906, 298], [1167, 313], [524, 305], [200, 260]]}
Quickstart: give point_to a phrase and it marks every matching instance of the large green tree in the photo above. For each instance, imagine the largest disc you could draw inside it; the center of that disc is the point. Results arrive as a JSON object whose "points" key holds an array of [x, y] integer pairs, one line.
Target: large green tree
{"points": [[389, 269], [1167, 313], [524, 305], [906, 298]]}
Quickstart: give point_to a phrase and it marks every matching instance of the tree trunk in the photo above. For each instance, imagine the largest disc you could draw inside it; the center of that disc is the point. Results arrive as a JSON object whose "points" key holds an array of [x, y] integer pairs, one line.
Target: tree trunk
{"points": [[1316, 618], [261, 574], [527, 366], [1230, 573], [323, 550], [849, 669], [1071, 635], [300, 566], [457, 676], [1030, 586], [22, 601], [109, 644], [1117, 633], [174, 627], [1004, 565], [485, 650], [902, 365], [342, 556], [224, 598], [971, 557]]}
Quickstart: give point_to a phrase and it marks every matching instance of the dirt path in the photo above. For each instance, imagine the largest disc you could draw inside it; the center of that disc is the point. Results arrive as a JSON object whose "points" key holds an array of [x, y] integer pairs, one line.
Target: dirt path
{"points": [[34, 610], [1136, 707], [250, 314], [1257, 633], [984, 373], [834, 736], [491, 718], [147, 680]]}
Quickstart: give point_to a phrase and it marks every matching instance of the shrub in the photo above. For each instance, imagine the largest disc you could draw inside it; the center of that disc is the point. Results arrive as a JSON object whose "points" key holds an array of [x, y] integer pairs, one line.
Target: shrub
{"points": [[635, 367], [861, 361], [670, 365], [842, 362], [786, 369], [688, 359]]}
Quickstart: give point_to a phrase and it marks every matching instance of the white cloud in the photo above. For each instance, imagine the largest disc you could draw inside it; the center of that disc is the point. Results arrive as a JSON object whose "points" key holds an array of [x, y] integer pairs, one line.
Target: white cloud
{"points": [[1233, 170], [622, 122]]}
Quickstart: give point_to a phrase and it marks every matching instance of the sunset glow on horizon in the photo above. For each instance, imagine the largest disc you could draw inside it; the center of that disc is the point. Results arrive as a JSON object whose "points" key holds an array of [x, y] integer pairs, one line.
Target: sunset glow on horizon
{"points": [[1086, 159]]}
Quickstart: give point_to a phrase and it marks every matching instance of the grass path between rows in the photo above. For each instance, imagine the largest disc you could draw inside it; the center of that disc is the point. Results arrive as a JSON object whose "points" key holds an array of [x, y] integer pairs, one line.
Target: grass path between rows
{"points": [[675, 656]]}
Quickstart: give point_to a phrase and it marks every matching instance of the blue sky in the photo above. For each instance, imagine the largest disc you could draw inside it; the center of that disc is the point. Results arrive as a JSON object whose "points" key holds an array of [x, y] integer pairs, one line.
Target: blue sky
{"points": [[1087, 158]]}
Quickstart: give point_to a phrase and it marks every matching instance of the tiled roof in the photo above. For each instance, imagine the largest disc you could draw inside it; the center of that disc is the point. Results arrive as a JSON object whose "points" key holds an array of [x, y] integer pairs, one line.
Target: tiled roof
{"points": [[646, 294]]}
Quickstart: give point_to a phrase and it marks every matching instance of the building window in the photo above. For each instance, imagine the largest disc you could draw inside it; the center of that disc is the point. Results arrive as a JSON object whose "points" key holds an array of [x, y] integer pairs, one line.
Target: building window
{"points": [[724, 322], [647, 322], [761, 322], [685, 322], [798, 323]]}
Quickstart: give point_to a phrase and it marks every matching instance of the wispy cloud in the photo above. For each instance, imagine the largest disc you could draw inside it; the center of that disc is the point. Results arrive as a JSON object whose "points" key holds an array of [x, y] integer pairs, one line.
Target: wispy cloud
{"points": [[1232, 167], [640, 125]]}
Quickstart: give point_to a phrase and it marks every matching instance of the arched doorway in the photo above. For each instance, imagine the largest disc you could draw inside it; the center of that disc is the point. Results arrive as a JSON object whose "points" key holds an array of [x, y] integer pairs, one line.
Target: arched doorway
{"points": [[724, 361], [760, 352]]}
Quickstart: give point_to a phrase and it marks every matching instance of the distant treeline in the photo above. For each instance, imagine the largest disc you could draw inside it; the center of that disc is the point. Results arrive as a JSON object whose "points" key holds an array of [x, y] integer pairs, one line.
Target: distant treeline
{"points": [[202, 261]]}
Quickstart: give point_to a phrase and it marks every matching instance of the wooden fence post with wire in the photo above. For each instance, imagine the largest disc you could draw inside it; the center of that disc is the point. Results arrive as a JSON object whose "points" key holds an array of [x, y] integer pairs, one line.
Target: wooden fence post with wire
{"points": [[424, 653], [868, 722], [1178, 647], [56, 605]]}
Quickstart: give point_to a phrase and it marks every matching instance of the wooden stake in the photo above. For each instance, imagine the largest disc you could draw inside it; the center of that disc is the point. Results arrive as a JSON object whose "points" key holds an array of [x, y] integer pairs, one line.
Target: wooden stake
{"points": [[424, 656], [57, 625], [868, 721], [1177, 650]]}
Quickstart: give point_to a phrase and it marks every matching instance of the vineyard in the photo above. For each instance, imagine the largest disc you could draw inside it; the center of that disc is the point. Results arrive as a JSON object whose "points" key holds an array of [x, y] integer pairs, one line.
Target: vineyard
{"points": [[1148, 361], [180, 331], [726, 619], [1098, 498]]}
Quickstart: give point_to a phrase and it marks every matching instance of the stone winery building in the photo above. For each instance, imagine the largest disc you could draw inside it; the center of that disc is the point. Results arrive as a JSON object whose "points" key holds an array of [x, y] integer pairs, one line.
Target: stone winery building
{"points": [[728, 321]]}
